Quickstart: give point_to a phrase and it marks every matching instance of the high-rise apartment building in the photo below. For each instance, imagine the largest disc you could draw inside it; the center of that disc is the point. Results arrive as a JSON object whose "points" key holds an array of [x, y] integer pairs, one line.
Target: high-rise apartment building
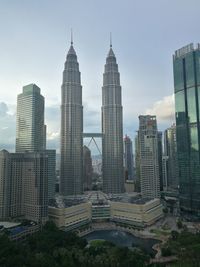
{"points": [[186, 63], [148, 151], [4, 184], [25, 185], [128, 158], [170, 151], [30, 128], [87, 168], [71, 170], [112, 128]]}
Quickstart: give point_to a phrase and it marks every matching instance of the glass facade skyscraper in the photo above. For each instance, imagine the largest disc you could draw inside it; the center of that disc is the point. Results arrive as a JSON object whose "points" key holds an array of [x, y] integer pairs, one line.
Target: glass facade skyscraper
{"points": [[186, 62], [30, 128]]}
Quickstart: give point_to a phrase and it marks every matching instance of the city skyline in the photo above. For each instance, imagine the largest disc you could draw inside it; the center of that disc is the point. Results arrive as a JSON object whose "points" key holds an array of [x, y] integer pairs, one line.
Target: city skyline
{"points": [[136, 48]]}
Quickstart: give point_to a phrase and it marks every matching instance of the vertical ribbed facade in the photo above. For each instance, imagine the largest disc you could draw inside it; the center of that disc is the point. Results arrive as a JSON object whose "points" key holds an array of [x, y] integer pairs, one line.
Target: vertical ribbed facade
{"points": [[112, 128], [30, 128], [148, 151], [71, 128]]}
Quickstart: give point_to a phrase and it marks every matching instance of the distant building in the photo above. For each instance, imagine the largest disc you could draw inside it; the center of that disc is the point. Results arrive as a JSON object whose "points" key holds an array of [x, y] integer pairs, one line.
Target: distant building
{"points": [[112, 128], [30, 128], [128, 158], [51, 153], [137, 164], [170, 150], [148, 151], [186, 63], [160, 153], [165, 172], [87, 168]]}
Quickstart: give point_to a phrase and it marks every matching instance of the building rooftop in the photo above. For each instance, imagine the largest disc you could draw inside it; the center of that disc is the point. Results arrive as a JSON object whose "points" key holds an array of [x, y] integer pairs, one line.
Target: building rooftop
{"points": [[8, 225], [186, 49], [61, 202]]}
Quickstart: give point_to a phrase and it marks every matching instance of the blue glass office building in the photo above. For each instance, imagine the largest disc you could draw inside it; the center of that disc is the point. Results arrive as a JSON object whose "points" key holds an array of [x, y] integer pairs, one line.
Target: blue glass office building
{"points": [[186, 62]]}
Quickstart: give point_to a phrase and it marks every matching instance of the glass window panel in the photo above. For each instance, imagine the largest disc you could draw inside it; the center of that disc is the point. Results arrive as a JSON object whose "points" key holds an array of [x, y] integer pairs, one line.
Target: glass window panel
{"points": [[194, 138], [180, 107], [178, 75], [189, 70], [191, 102], [197, 55]]}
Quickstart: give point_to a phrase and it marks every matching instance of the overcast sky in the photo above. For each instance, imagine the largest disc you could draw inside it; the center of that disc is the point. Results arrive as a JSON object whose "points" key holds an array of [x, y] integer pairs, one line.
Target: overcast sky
{"points": [[35, 38]]}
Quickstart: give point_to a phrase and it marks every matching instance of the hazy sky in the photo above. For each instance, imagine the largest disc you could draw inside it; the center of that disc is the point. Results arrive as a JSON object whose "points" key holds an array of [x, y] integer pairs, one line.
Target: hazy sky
{"points": [[35, 38]]}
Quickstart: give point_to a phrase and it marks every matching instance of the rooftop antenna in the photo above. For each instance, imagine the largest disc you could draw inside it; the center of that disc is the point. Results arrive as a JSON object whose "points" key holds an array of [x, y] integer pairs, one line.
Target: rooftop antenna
{"points": [[71, 36], [110, 39]]}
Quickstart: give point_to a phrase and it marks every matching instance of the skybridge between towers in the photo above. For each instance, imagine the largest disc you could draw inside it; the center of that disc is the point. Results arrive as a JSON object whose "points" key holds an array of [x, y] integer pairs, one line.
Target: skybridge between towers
{"points": [[92, 137]]}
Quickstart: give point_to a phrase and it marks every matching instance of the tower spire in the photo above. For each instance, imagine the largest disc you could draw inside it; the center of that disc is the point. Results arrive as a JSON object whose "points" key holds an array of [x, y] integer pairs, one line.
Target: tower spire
{"points": [[110, 39], [71, 36]]}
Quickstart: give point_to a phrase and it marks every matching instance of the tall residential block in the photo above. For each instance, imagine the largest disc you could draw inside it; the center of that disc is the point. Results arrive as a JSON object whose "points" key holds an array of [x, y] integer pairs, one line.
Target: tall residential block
{"points": [[4, 184], [186, 63], [71, 168], [128, 158], [30, 128], [25, 190], [112, 128], [170, 151], [148, 151]]}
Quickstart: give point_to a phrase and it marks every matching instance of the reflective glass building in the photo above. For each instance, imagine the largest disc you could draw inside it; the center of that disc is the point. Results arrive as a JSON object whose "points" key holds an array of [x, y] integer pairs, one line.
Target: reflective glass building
{"points": [[30, 128], [186, 63]]}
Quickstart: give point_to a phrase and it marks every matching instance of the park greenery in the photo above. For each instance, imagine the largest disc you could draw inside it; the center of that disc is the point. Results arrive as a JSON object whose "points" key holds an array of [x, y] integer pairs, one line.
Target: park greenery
{"points": [[52, 247], [184, 245]]}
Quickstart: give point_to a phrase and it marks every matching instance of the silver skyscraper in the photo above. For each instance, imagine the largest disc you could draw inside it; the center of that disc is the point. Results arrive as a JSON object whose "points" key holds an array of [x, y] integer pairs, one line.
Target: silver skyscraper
{"points": [[71, 128], [112, 129]]}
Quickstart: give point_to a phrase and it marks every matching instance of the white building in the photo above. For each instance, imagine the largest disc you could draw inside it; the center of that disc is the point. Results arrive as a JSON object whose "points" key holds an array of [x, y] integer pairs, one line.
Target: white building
{"points": [[148, 151]]}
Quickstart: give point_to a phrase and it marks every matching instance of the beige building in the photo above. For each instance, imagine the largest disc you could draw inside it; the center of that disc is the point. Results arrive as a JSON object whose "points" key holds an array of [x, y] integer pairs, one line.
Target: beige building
{"points": [[71, 217], [125, 209], [139, 214]]}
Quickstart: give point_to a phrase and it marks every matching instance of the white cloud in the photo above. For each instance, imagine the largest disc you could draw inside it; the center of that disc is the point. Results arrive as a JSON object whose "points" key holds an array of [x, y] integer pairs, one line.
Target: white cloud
{"points": [[163, 109], [53, 135], [7, 127]]}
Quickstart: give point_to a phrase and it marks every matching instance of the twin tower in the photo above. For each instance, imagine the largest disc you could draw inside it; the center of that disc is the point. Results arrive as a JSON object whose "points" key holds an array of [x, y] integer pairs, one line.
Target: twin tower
{"points": [[71, 171]]}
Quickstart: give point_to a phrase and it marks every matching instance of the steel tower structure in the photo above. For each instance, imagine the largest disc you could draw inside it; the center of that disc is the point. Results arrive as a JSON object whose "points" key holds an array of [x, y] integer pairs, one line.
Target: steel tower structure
{"points": [[71, 128], [112, 129]]}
